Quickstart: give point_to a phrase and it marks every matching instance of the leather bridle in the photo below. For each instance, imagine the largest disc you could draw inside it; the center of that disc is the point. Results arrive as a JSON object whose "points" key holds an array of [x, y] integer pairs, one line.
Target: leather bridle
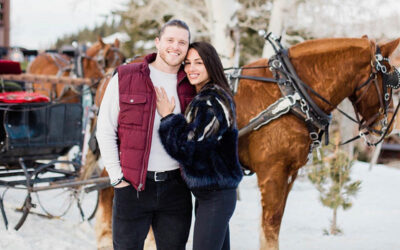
{"points": [[389, 81], [101, 57]]}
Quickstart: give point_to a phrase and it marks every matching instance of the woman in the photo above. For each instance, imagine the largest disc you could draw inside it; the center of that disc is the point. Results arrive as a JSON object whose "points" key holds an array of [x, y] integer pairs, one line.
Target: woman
{"points": [[204, 141]]}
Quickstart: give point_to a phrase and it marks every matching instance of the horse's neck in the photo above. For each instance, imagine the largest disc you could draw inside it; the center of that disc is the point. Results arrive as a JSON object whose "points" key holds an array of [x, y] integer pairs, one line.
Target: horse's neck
{"points": [[334, 79], [91, 69]]}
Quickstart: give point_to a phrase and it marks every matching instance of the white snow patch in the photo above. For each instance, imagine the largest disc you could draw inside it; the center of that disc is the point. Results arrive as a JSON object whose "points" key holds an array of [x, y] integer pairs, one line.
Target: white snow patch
{"points": [[372, 223]]}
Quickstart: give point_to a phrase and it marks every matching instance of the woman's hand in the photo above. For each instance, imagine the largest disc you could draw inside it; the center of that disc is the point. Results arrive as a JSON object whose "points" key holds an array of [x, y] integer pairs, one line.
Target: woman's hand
{"points": [[164, 106]]}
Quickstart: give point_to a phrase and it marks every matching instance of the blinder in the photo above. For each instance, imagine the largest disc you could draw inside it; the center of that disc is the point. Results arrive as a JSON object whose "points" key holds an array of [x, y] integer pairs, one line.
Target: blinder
{"points": [[390, 79]]}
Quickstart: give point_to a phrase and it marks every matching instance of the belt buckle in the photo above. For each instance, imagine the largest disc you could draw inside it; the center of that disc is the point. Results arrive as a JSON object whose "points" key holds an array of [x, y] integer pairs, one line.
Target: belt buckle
{"points": [[155, 177]]}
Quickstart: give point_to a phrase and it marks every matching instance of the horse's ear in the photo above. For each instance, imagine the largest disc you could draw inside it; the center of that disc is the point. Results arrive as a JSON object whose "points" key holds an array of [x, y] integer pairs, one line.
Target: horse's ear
{"points": [[100, 40], [388, 48], [116, 43]]}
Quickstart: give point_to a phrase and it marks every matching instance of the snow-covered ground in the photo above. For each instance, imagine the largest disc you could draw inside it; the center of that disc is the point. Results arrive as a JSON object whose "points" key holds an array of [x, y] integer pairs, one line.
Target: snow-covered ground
{"points": [[372, 223]]}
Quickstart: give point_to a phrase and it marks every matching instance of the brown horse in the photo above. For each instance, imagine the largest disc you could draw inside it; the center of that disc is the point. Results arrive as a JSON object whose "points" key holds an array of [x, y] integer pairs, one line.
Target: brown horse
{"points": [[97, 60], [334, 68]]}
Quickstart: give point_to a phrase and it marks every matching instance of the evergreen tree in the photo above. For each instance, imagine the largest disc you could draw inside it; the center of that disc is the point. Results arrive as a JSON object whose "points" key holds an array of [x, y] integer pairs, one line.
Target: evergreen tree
{"points": [[331, 177]]}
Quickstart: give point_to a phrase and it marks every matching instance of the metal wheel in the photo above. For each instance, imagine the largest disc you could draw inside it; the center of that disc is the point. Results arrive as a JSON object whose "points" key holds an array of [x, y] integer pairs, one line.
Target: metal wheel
{"points": [[88, 198], [87, 203], [55, 202], [58, 202]]}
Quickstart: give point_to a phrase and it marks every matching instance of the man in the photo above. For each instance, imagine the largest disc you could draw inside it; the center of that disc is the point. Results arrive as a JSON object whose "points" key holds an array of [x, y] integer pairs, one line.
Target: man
{"points": [[148, 187]]}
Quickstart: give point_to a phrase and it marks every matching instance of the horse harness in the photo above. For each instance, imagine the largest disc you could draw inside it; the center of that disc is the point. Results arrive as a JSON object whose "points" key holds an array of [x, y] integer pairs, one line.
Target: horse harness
{"points": [[75, 65], [297, 100]]}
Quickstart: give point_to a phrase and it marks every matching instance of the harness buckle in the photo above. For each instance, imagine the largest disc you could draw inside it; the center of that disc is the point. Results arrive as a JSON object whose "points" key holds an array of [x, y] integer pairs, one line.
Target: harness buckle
{"points": [[304, 106], [362, 135], [235, 75], [292, 98], [387, 97], [378, 57], [380, 67], [305, 109], [313, 136], [276, 64], [316, 144]]}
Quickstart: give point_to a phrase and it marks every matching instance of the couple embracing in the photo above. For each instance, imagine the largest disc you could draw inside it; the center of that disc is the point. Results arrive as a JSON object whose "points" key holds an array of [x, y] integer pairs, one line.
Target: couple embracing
{"points": [[166, 129]]}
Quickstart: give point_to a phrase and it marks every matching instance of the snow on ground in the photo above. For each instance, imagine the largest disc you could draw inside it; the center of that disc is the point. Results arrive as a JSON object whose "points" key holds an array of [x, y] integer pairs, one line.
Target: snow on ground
{"points": [[372, 223]]}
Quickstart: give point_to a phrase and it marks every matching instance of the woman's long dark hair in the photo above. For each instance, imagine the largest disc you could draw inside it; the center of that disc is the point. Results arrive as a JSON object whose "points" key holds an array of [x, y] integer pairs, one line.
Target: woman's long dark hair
{"points": [[213, 64]]}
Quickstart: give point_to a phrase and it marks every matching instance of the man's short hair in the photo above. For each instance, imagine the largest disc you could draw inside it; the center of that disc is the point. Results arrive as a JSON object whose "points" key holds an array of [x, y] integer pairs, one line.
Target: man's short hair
{"points": [[177, 23]]}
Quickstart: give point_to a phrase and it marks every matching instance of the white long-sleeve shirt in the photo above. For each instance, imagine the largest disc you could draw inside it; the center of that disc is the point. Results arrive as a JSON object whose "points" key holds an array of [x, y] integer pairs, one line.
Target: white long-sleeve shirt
{"points": [[107, 125]]}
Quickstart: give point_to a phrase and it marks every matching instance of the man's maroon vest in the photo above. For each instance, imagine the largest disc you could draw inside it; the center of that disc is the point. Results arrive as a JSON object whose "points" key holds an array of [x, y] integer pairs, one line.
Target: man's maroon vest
{"points": [[137, 102]]}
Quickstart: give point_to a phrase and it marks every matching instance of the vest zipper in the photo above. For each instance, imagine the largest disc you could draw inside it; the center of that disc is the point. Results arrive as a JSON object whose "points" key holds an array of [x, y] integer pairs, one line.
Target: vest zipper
{"points": [[151, 123], [139, 187]]}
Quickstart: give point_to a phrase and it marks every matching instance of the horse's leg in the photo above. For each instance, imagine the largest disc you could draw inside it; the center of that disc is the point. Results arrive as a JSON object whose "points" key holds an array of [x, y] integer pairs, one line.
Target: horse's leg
{"points": [[150, 242], [274, 182], [103, 217]]}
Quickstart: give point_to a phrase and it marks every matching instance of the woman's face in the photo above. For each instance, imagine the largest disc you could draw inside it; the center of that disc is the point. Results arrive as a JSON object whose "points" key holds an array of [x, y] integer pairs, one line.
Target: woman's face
{"points": [[195, 69]]}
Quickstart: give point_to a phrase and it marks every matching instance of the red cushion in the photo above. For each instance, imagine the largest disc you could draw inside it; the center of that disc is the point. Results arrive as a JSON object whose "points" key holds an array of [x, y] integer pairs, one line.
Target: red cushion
{"points": [[22, 97], [9, 67]]}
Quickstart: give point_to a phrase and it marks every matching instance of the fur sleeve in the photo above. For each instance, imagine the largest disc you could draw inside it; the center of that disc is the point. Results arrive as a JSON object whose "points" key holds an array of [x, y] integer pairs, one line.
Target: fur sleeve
{"points": [[183, 139], [172, 134]]}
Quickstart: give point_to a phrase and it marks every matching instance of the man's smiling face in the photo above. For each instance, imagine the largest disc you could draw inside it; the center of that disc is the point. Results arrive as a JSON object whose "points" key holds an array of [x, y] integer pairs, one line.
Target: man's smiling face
{"points": [[173, 45]]}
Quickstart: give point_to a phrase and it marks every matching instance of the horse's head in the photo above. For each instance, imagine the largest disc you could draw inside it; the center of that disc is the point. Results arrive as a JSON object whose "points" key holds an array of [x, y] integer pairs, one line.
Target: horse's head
{"points": [[105, 56], [111, 56], [372, 97]]}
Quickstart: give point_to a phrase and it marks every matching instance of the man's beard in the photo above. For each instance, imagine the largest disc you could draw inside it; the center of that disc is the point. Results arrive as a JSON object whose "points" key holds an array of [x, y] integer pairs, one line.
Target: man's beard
{"points": [[164, 58]]}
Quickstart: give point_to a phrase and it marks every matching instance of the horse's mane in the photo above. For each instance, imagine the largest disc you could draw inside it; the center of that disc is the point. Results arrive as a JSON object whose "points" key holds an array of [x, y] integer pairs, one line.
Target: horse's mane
{"points": [[330, 47]]}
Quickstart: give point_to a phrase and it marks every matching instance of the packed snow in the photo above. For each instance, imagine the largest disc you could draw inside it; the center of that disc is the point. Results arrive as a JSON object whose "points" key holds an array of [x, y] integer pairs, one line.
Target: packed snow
{"points": [[372, 223]]}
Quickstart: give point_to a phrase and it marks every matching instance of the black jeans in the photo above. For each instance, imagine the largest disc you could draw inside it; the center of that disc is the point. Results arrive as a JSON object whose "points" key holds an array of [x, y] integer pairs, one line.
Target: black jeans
{"points": [[165, 205], [213, 211]]}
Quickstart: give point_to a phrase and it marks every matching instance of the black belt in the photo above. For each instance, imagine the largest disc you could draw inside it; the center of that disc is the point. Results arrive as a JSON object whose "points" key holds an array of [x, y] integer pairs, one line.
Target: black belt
{"points": [[163, 176]]}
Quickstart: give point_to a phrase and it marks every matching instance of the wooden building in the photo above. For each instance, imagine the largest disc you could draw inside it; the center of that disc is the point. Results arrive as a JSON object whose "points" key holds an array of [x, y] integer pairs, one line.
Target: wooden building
{"points": [[4, 23]]}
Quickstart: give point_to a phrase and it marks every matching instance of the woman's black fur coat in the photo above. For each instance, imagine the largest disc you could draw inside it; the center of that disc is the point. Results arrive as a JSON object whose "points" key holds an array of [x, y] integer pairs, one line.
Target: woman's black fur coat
{"points": [[205, 140]]}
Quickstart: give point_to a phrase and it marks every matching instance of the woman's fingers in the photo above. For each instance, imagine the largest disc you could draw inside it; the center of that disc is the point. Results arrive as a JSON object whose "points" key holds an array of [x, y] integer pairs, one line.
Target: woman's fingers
{"points": [[164, 93], [161, 93], [164, 105], [162, 98], [158, 94], [172, 102]]}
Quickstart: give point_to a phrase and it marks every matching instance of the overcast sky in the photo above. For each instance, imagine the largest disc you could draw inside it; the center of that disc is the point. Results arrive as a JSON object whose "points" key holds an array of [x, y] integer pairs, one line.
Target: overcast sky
{"points": [[36, 24]]}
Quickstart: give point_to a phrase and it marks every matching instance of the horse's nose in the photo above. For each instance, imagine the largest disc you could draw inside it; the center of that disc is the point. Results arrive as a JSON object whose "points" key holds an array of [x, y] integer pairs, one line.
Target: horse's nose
{"points": [[383, 125]]}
